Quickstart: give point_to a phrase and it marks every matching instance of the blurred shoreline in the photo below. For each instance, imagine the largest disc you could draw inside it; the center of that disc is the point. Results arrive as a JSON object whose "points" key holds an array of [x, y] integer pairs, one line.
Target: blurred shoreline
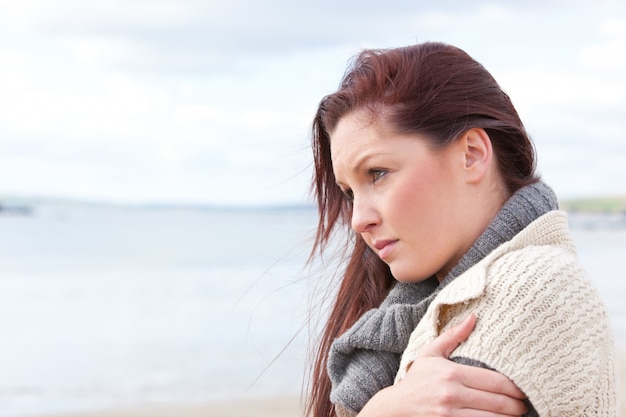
{"points": [[615, 204], [290, 406]]}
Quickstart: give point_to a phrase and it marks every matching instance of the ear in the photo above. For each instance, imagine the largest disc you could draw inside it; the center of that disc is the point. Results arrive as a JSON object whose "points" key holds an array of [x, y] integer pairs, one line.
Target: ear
{"points": [[478, 153]]}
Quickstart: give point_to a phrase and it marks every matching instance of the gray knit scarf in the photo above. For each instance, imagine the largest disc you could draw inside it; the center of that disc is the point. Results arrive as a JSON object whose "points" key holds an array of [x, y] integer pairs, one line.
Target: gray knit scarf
{"points": [[366, 358]]}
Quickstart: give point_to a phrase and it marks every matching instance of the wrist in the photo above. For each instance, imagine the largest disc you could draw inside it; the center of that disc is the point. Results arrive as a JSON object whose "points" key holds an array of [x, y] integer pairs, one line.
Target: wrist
{"points": [[378, 405]]}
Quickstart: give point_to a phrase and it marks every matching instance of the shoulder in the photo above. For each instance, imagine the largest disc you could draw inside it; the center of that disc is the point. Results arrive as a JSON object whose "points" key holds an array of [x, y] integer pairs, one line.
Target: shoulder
{"points": [[534, 270], [542, 324], [539, 266]]}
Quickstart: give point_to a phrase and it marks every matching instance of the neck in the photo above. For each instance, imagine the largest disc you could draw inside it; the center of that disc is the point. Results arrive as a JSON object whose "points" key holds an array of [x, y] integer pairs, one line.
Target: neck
{"points": [[481, 206], [521, 209]]}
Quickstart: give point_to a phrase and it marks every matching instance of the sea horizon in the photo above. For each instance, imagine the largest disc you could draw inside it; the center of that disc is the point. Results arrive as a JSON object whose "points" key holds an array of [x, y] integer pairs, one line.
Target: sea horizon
{"points": [[572, 204]]}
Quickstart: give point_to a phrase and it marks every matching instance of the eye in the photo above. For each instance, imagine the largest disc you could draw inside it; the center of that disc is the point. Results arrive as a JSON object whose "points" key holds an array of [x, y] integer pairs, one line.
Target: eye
{"points": [[376, 174]]}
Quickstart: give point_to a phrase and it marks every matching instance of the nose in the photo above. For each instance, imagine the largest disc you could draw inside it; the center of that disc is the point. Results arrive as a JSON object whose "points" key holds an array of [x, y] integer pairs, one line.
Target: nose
{"points": [[365, 216]]}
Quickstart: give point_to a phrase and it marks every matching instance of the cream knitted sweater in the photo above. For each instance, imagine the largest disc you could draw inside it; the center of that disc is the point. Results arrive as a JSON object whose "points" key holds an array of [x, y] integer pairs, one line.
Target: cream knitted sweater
{"points": [[540, 322]]}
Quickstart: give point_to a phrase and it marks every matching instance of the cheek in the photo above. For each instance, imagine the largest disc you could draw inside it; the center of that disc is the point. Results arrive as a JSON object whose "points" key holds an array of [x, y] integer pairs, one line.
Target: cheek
{"points": [[415, 193], [422, 206]]}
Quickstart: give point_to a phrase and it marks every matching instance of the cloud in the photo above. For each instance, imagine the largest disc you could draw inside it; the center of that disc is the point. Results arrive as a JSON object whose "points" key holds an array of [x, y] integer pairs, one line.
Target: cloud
{"points": [[574, 105], [608, 54], [211, 101], [196, 36], [117, 107]]}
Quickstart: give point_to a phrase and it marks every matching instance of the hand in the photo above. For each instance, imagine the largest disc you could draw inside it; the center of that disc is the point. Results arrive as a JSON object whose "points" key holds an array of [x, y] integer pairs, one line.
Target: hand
{"points": [[435, 386]]}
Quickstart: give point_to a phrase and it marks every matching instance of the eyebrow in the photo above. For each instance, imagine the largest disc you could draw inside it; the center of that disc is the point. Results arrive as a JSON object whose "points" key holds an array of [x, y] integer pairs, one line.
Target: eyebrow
{"points": [[364, 157], [361, 160]]}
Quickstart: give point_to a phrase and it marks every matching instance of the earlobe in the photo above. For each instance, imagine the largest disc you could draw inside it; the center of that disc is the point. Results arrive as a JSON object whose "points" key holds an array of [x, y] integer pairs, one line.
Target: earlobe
{"points": [[478, 153]]}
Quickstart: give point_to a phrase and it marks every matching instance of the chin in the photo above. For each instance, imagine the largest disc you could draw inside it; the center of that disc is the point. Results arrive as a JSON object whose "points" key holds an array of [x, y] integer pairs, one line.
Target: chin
{"points": [[406, 277]]}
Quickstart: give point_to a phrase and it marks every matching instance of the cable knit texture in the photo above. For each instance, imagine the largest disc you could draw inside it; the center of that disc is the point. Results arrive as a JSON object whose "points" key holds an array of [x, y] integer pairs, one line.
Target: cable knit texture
{"points": [[540, 322]]}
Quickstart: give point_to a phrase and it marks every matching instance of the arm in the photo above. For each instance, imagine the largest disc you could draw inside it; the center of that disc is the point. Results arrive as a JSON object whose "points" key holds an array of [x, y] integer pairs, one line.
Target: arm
{"points": [[436, 386]]}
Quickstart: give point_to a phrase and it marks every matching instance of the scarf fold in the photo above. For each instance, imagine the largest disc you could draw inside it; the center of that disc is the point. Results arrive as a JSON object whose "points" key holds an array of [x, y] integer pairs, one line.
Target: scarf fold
{"points": [[366, 358]]}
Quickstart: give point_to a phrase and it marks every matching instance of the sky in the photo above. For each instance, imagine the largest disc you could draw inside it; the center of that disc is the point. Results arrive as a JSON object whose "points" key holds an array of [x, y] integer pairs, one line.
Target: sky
{"points": [[210, 102]]}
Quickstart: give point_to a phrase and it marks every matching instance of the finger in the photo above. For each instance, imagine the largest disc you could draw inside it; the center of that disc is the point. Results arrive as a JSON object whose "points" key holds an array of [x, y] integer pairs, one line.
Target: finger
{"points": [[470, 400], [446, 342], [467, 412], [497, 404], [488, 381]]}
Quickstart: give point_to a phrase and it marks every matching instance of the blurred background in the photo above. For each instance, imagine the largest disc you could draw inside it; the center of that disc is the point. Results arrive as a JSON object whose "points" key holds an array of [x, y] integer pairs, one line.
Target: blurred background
{"points": [[154, 164]]}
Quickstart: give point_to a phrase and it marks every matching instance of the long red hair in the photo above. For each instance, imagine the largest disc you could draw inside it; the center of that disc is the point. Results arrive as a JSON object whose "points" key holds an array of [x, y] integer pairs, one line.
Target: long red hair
{"points": [[432, 89]]}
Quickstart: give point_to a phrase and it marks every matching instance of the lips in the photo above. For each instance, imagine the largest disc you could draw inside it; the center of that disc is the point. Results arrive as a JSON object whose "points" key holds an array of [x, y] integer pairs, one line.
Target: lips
{"points": [[384, 247]]}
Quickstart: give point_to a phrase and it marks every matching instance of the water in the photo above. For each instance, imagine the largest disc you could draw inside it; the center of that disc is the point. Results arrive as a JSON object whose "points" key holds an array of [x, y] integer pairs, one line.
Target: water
{"points": [[109, 306], [104, 306], [602, 251]]}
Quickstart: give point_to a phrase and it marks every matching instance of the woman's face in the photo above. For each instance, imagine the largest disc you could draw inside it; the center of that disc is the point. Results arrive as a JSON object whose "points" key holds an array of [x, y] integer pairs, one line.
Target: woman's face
{"points": [[408, 198]]}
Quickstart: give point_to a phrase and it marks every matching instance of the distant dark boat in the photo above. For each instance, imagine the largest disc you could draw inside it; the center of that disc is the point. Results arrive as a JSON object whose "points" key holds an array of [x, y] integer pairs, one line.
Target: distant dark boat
{"points": [[15, 210]]}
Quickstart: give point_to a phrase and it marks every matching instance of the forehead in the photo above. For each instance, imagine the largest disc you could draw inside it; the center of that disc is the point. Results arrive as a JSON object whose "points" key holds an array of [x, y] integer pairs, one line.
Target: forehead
{"points": [[360, 137], [356, 132], [359, 140]]}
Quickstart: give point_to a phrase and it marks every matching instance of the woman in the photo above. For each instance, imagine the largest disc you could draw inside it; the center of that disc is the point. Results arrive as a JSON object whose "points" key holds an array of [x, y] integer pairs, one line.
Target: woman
{"points": [[458, 253]]}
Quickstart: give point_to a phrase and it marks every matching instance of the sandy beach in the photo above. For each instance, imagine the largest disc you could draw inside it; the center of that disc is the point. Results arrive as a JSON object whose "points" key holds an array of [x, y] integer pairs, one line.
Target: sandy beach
{"points": [[621, 358], [268, 407]]}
